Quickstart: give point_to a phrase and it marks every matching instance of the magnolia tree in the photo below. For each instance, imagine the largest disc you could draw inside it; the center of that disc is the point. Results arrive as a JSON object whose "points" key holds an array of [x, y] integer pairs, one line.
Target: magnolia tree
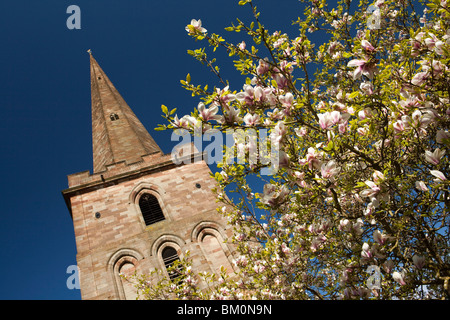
{"points": [[357, 106]]}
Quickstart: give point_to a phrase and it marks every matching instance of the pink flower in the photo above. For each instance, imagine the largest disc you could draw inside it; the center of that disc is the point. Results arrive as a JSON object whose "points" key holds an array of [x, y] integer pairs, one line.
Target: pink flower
{"points": [[263, 67], [438, 174], [399, 278], [420, 185], [372, 192], [367, 88], [278, 133], [366, 253], [328, 119], [367, 46], [438, 48], [285, 248], [363, 68], [301, 132], [250, 95], [281, 80], [287, 100], [312, 159], [252, 119], [420, 78], [242, 46], [271, 196], [224, 97], [283, 160], [379, 237], [232, 116], [181, 123], [434, 157], [398, 126], [208, 114], [246, 96], [431, 41], [329, 170], [195, 26]]}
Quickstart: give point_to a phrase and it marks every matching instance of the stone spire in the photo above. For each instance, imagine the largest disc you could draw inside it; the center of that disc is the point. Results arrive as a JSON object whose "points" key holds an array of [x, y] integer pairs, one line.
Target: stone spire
{"points": [[117, 134]]}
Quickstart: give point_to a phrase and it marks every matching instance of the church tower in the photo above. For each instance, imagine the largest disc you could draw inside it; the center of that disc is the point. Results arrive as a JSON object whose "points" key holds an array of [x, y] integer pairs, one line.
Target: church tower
{"points": [[139, 210]]}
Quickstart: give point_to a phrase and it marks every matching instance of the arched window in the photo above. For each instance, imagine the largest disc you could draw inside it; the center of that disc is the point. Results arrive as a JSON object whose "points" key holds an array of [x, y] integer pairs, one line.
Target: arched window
{"points": [[128, 269], [150, 208], [169, 256], [113, 116]]}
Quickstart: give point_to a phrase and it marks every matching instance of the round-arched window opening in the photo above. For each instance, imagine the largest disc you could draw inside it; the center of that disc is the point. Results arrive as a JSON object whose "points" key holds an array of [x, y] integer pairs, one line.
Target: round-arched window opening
{"points": [[170, 256], [150, 209]]}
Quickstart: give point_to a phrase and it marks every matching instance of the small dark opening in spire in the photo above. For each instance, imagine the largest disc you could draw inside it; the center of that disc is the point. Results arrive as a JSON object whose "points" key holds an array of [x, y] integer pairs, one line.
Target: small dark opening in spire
{"points": [[113, 116]]}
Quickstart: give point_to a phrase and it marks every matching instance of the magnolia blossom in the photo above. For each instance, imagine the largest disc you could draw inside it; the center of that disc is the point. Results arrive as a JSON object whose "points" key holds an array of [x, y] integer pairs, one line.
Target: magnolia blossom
{"points": [[436, 67], [366, 252], [263, 67], [181, 123], [379, 237], [419, 261], [252, 119], [439, 175], [372, 191], [278, 133], [329, 170], [420, 78], [366, 113], [273, 196], [344, 225], [195, 26], [438, 47], [328, 119], [208, 114], [231, 115], [435, 156], [420, 185], [312, 158], [283, 159], [285, 248], [367, 46], [366, 87], [250, 95], [363, 67], [301, 132], [417, 120], [224, 97], [399, 126], [287, 101], [399, 277], [280, 79]]}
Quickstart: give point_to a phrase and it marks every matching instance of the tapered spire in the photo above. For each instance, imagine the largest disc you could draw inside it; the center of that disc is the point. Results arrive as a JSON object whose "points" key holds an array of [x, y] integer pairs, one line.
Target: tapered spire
{"points": [[117, 134]]}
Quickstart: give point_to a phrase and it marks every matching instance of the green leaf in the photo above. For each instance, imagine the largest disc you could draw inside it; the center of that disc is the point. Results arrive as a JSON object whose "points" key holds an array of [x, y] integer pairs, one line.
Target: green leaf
{"points": [[188, 78], [164, 109], [353, 94]]}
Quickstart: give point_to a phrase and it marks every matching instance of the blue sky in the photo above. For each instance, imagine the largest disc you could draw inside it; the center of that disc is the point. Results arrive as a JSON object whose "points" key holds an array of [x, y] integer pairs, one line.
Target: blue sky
{"points": [[45, 131]]}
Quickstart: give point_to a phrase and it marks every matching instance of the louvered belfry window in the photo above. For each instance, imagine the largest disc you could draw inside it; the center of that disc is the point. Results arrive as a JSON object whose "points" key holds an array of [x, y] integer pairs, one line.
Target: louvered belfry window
{"points": [[150, 208], [169, 256]]}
